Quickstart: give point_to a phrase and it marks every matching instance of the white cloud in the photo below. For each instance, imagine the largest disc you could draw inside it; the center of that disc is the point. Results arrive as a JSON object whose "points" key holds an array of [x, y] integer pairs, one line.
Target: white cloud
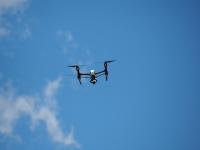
{"points": [[13, 106], [65, 34], [11, 6], [52, 88], [70, 45], [47, 116], [66, 40], [14, 8]]}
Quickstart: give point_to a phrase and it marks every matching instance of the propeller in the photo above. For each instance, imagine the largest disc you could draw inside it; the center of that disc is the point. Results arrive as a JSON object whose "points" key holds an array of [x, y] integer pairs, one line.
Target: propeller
{"points": [[109, 61], [74, 66]]}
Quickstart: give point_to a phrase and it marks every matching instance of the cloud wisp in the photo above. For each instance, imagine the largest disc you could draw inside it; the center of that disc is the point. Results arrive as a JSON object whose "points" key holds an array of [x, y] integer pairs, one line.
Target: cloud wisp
{"points": [[13, 107], [11, 6], [14, 24], [66, 40]]}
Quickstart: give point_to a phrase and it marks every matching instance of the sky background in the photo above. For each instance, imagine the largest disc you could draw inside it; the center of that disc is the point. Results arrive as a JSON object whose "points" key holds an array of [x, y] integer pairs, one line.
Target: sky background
{"points": [[152, 98]]}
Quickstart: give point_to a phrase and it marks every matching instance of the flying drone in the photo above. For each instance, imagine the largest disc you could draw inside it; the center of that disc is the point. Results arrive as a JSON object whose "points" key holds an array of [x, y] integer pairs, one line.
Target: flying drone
{"points": [[92, 75]]}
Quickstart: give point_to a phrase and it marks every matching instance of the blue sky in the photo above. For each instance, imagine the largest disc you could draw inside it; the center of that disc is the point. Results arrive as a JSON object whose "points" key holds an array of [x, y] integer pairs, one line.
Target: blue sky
{"points": [[151, 100]]}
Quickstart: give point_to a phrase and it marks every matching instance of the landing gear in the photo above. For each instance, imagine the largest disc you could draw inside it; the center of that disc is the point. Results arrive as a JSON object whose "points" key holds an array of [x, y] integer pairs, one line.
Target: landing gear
{"points": [[93, 81]]}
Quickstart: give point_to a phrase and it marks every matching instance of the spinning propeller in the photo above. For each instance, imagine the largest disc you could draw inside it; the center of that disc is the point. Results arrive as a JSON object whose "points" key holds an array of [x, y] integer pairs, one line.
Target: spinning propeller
{"points": [[109, 61]]}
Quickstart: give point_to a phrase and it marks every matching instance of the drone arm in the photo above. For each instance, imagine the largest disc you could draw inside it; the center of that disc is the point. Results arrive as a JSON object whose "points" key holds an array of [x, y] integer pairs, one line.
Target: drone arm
{"points": [[85, 74], [100, 74], [85, 77], [97, 73]]}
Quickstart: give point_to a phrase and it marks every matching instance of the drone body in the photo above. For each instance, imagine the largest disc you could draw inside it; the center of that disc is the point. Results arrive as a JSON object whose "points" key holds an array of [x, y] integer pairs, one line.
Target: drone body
{"points": [[92, 75]]}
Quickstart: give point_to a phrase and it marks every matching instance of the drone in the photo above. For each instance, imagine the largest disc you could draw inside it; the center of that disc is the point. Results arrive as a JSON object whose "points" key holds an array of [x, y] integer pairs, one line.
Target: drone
{"points": [[92, 75]]}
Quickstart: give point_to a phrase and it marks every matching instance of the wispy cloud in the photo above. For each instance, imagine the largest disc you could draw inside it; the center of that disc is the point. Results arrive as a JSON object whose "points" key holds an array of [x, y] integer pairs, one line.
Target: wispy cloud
{"points": [[51, 88], [71, 46], [13, 106], [12, 6], [13, 9], [67, 40]]}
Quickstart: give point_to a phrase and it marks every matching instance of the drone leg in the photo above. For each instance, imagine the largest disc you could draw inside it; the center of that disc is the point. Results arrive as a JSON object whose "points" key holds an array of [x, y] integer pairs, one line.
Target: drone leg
{"points": [[80, 81], [106, 74], [106, 77], [79, 76]]}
